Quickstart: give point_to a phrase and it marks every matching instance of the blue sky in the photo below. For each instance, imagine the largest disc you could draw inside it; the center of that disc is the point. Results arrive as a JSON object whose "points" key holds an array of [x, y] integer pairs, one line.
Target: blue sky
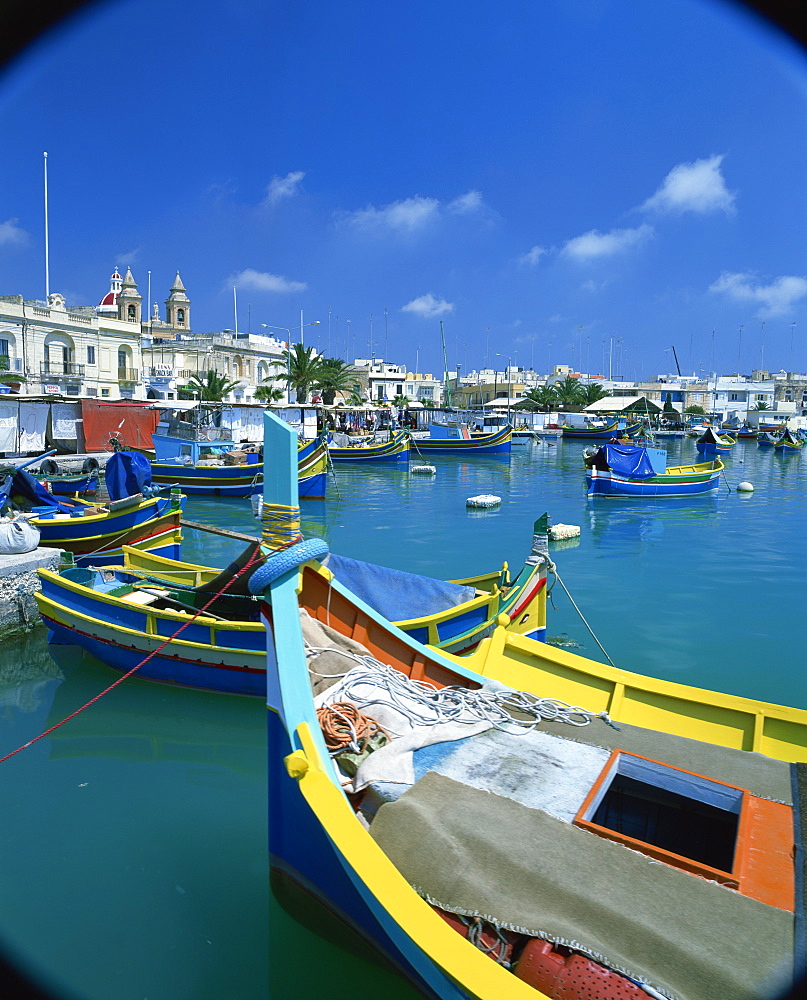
{"points": [[587, 182]]}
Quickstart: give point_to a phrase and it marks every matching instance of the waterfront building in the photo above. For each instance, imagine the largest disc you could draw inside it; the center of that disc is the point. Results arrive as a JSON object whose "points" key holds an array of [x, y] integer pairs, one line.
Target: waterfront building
{"points": [[73, 350]]}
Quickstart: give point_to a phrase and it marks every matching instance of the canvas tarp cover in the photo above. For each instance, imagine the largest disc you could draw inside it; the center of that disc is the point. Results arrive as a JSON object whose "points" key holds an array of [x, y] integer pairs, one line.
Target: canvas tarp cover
{"points": [[396, 595], [22, 485], [129, 423], [693, 939], [66, 427], [126, 473], [627, 460], [33, 424]]}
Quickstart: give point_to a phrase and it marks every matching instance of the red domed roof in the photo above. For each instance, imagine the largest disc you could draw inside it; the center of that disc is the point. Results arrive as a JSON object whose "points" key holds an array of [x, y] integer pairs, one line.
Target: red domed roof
{"points": [[108, 299]]}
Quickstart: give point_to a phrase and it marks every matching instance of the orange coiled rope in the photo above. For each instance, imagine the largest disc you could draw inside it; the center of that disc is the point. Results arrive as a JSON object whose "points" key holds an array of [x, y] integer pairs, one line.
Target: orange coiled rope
{"points": [[345, 728]]}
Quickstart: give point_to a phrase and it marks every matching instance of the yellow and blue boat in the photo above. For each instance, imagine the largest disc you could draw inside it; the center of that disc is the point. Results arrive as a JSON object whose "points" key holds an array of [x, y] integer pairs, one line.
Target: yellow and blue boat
{"points": [[125, 613], [394, 450], [589, 829], [712, 443], [459, 440], [97, 533], [635, 471], [198, 455], [612, 430], [788, 444]]}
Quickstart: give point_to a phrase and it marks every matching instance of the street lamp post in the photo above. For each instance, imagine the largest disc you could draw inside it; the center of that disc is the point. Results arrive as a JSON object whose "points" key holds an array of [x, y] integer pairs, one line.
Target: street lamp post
{"points": [[509, 376]]}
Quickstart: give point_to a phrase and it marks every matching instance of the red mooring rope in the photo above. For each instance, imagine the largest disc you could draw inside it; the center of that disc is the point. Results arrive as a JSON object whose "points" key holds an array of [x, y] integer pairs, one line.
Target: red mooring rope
{"points": [[256, 557]]}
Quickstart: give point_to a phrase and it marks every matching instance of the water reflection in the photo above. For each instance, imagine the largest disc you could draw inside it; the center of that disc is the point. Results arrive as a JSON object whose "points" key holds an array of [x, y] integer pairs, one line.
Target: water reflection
{"points": [[145, 721], [630, 524]]}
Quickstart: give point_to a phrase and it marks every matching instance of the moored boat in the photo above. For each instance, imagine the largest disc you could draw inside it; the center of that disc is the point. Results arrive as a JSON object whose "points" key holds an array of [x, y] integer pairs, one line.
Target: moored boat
{"points": [[634, 471], [788, 443], [765, 439], [96, 532], [712, 443], [192, 451], [483, 858], [122, 614], [394, 450], [594, 433], [441, 441]]}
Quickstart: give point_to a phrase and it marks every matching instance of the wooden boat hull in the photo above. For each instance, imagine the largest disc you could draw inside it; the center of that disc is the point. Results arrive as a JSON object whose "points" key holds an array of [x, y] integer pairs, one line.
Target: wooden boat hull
{"points": [[497, 443], [319, 845], [678, 481], [787, 444], [245, 480], [601, 433], [394, 450], [151, 525], [66, 486], [227, 655]]}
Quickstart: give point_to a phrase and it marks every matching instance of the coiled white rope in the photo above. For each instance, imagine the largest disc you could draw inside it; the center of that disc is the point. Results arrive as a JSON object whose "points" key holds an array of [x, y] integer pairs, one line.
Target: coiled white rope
{"points": [[422, 704]]}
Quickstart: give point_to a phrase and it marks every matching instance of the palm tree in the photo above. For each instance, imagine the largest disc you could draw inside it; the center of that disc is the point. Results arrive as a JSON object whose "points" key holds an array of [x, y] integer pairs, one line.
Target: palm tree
{"points": [[761, 405], [212, 387], [541, 398], [568, 392], [592, 393], [268, 394], [401, 402], [301, 369], [335, 375]]}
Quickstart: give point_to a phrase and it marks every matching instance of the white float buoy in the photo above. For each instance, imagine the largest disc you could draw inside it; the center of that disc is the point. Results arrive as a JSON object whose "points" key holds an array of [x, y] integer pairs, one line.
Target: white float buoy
{"points": [[562, 531], [484, 500], [745, 488], [426, 470]]}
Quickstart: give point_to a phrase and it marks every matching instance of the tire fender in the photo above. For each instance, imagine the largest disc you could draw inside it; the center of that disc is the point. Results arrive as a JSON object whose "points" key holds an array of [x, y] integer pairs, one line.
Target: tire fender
{"points": [[286, 560]]}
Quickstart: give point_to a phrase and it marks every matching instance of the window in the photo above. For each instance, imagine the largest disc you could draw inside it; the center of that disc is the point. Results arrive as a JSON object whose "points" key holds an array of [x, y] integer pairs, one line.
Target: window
{"points": [[4, 347], [105, 392], [90, 354], [121, 358]]}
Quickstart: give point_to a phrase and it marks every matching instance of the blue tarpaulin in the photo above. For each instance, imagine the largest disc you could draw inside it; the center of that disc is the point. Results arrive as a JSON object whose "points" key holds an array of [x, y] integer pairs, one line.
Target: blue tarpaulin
{"points": [[22, 485], [126, 473], [627, 460], [396, 595]]}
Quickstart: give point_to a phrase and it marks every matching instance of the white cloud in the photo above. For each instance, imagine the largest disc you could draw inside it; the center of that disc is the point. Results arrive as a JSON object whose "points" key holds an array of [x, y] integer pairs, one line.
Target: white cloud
{"points": [[410, 215], [532, 257], [10, 232], [428, 306], [774, 299], [128, 258], [405, 216], [593, 244], [261, 281], [693, 187], [466, 203], [283, 187]]}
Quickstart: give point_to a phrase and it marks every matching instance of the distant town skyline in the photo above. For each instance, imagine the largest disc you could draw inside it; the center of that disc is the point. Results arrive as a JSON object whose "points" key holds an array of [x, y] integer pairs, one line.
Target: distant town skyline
{"points": [[569, 182]]}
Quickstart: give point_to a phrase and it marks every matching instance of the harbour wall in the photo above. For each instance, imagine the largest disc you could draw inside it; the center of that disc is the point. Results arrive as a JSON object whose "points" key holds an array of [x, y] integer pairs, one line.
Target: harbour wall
{"points": [[18, 584]]}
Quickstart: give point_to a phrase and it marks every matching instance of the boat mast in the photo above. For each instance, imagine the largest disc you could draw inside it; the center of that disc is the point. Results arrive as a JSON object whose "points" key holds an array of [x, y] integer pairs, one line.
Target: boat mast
{"points": [[446, 386]]}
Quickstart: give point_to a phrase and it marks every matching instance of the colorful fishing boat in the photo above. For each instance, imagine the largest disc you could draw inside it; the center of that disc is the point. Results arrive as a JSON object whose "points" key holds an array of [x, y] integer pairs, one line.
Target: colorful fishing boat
{"points": [[394, 450], [461, 441], [122, 614], [594, 433], [633, 471], [97, 533], [192, 451], [496, 860], [788, 443], [766, 439], [712, 443]]}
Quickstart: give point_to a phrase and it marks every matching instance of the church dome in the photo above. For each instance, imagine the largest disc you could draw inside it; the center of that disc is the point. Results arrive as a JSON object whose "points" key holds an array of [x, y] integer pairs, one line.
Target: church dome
{"points": [[109, 303]]}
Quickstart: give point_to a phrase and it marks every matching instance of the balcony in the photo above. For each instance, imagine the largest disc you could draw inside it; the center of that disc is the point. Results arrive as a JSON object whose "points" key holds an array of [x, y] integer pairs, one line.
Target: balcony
{"points": [[128, 375], [60, 370]]}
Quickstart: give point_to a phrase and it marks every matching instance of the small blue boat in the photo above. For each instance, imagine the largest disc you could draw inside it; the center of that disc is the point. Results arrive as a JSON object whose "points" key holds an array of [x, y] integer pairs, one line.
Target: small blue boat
{"points": [[633, 471], [712, 443]]}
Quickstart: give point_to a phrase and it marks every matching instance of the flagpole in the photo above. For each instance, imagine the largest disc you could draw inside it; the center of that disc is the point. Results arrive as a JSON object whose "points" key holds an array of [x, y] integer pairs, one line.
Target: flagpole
{"points": [[47, 264]]}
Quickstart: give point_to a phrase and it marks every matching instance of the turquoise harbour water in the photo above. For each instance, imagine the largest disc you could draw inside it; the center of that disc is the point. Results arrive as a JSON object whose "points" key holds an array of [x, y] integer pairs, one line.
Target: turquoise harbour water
{"points": [[134, 837]]}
